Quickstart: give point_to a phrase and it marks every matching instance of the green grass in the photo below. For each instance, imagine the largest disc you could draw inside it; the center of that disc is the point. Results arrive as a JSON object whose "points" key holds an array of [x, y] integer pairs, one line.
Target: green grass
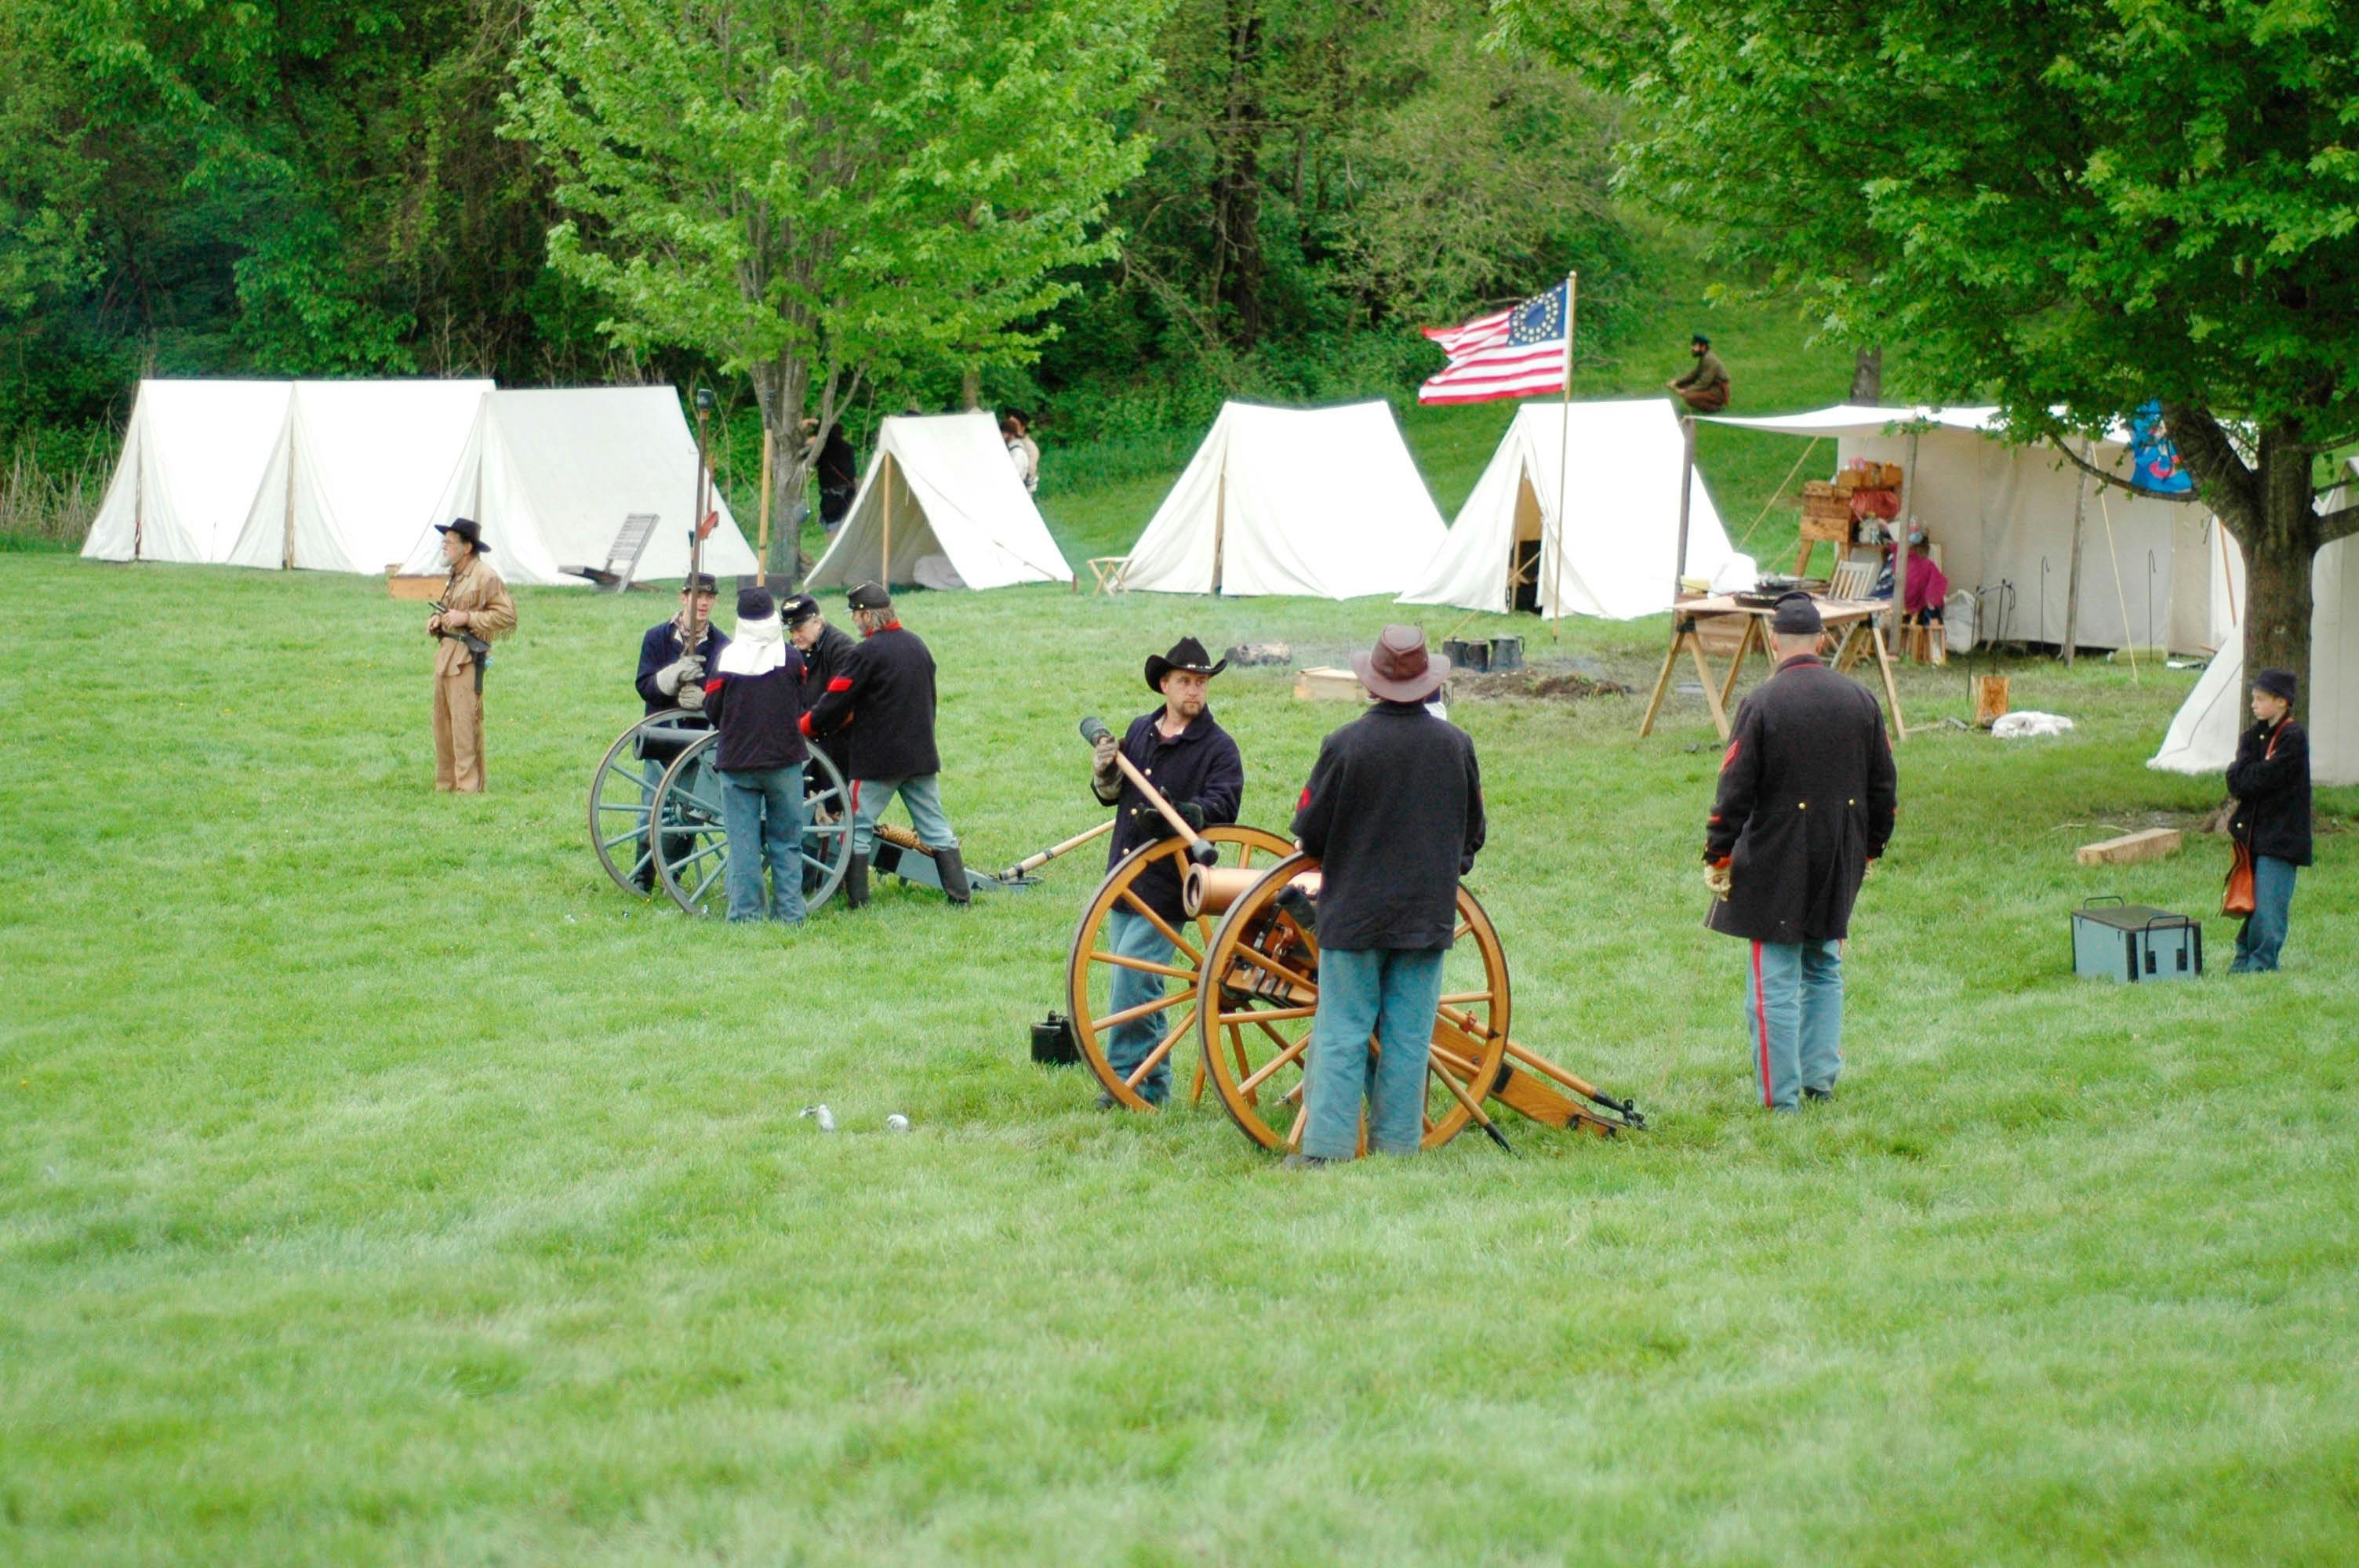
{"points": [[379, 1185]]}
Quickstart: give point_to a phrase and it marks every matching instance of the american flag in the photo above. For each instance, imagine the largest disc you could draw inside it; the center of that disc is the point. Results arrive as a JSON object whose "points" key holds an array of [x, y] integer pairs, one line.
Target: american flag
{"points": [[1508, 353]]}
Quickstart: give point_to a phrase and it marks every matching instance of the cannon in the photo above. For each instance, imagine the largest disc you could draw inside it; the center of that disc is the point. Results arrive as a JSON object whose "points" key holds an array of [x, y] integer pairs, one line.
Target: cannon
{"points": [[658, 775], [1242, 984]]}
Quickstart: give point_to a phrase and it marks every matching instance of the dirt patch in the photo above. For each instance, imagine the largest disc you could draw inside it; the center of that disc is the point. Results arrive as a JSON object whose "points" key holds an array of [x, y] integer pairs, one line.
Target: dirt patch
{"points": [[1548, 686]]}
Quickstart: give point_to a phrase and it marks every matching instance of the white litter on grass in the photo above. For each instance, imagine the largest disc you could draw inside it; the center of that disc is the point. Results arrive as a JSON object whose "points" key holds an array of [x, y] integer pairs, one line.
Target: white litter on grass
{"points": [[2017, 726], [825, 1117], [897, 1122]]}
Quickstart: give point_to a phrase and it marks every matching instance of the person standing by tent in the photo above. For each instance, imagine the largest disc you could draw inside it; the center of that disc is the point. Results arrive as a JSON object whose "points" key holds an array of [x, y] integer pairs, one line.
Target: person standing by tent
{"points": [[672, 675], [1703, 389], [839, 477], [755, 697], [880, 708], [1806, 800], [473, 610], [1393, 811], [1023, 453], [1182, 751], [2270, 779]]}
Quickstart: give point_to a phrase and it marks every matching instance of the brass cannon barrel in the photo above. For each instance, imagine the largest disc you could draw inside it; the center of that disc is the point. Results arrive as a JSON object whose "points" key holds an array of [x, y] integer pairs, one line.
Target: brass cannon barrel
{"points": [[1211, 890]]}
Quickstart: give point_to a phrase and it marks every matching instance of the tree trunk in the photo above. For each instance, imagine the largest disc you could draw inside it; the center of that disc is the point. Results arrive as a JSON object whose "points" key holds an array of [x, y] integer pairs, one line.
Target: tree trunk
{"points": [[1237, 267], [2266, 506], [970, 388], [782, 386], [1868, 375]]}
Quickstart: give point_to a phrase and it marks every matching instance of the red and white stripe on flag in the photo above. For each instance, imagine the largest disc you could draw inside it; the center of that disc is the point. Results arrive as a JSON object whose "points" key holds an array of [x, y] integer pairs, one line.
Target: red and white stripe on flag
{"points": [[1519, 353]]}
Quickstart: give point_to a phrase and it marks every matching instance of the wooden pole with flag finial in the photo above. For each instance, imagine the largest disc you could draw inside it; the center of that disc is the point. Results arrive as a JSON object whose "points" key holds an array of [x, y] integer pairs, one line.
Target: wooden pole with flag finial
{"points": [[1563, 451]]}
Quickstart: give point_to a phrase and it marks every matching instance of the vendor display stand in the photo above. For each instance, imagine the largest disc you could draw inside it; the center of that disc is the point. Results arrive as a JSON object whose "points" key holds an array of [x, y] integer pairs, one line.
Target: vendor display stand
{"points": [[1854, 618]]}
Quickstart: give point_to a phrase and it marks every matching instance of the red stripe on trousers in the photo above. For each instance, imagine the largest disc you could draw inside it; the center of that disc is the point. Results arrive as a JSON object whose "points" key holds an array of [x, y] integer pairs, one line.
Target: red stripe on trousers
{"points": [[1761, 1021]]}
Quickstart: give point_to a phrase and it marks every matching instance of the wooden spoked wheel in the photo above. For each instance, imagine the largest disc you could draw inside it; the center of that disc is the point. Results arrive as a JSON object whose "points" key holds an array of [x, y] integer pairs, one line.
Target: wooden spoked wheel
{"points": [[693, 861], [1091, 969], [1259, 993], [623, 792]]}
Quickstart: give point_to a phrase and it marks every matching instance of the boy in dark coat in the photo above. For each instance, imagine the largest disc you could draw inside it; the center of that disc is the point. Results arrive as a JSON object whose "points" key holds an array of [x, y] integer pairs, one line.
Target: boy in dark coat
{"points": [[2270, 779], [880, 708], [1807, 799], [1192, 762], [754, 697], [1393, 811]]}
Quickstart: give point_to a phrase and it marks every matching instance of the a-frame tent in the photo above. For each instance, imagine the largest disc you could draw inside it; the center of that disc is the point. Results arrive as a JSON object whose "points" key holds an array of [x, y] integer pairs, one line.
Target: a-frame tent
{"points": [[2153, 573], [1580, 507], [2203, 735], [1324, 502], [193, 455], [941, 485], [552, 474], [357, 465]]}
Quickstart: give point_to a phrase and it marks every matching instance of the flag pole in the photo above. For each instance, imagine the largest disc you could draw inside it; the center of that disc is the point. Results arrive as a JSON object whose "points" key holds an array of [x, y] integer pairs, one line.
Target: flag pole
{"points": [[1563, 449]]}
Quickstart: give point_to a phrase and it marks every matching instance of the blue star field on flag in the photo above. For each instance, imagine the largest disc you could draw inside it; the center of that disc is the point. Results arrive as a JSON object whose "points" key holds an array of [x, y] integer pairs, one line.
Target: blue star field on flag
{"points": [[1539, 321]]}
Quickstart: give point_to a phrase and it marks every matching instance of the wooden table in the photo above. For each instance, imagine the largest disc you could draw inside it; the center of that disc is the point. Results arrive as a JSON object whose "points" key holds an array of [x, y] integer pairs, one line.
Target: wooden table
{"points": [[1855, 619]]}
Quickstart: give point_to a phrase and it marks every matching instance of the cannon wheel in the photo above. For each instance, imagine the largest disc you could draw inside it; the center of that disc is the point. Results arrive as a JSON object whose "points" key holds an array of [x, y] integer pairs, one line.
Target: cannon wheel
{"points": [[1258, 992], [1090, 968], [620, 797], [686, 810]]}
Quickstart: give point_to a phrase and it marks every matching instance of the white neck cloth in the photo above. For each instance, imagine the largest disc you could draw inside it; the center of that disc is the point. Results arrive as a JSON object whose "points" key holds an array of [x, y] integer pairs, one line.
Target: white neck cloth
{"points": [[756, 648]]}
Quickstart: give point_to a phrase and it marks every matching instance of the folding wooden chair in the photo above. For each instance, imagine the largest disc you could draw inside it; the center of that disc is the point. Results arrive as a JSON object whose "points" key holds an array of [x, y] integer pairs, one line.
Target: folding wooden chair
{"points": [[623, 555]]}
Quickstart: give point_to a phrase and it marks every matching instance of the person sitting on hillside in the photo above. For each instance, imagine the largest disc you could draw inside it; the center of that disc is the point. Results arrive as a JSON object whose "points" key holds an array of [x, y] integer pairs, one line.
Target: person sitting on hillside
{"points": [[1705, 388]]}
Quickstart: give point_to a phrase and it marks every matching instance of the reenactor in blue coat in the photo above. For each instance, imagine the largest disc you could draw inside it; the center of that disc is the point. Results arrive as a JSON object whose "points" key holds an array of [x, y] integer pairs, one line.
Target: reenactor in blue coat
{"points": [[672, 675], [1807, 798]]}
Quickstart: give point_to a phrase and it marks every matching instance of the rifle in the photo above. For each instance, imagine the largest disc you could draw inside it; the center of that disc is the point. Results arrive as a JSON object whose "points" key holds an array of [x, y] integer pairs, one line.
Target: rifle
{"points": [[477, 649]]}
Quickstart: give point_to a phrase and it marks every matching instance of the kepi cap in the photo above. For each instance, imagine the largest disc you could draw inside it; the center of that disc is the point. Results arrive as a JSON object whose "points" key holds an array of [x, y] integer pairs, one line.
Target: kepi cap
{"points": [[2277, 683], [797, 607], [1797, 616], [869, 596], [756, 604]]}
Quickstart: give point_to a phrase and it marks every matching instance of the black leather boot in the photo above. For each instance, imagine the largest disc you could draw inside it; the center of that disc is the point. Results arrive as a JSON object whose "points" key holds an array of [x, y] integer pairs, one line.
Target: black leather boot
{"points": [[855, 883], [952, 872]]}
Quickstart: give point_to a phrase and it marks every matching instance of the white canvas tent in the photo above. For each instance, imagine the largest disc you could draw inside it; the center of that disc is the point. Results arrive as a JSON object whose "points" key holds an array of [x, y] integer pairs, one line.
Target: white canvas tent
{"points": [[2202, 735], [941, 486], [357, 465], [193, 455], [1325, 502], [552, 474], [2003, 517], [1620, 463]]}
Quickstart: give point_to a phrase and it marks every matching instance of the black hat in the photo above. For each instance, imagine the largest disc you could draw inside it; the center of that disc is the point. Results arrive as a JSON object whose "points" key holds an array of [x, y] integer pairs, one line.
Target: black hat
{"points": [[1698, 338], [798, 608], [467, 528], [699, 582], [869, 596], [1188, 655], [1797, 616], [2277, 683], [756, 604]]}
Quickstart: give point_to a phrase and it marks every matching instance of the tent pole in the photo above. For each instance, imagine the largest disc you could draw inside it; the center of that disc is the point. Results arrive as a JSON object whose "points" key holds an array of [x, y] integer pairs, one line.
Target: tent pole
{"points": [[1563, 454], [1687, 484], [1220, 521], [1900, 542], [2073, 576], [762, 548], [287, 554], [885, 562]]}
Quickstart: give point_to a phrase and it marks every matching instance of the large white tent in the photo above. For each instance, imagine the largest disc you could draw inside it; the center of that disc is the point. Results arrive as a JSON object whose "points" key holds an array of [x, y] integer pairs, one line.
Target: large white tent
{"points": [[193, 455], [940, 486], [2003, 517], [552, 474], [1324, 502], [1598, 482], [357, 465], [2202, 735]]}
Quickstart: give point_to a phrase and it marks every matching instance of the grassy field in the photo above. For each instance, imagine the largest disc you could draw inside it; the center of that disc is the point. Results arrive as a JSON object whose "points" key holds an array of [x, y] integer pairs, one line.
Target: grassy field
{"points": [[379, 1185]]}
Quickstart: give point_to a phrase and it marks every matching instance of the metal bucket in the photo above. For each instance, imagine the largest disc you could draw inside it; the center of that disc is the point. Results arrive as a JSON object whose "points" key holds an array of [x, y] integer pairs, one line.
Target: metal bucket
{"points": [[1506, 653]]}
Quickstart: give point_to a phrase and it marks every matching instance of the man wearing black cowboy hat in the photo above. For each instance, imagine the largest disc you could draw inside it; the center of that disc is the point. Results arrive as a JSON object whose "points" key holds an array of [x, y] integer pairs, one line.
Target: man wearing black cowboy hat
{"points": [[1191, 762], [1393, 811], [2270, 779], [474, 609], [878, 715], [1806, 800], [672, 675]]}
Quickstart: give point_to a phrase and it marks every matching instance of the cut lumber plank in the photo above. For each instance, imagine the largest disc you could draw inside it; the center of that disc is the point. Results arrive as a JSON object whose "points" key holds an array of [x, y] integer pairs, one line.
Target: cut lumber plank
{"points": [[1326, 681], [2128, 850]]}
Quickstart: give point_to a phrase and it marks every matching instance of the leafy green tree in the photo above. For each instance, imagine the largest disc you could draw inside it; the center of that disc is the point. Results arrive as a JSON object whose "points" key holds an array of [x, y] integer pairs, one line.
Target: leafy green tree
{"points": [[817, 192], [2072, 208]]}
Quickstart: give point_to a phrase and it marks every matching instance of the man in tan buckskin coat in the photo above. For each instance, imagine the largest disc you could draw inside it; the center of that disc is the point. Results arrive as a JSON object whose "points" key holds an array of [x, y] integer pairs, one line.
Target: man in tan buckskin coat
{"points": [[474, 609]]}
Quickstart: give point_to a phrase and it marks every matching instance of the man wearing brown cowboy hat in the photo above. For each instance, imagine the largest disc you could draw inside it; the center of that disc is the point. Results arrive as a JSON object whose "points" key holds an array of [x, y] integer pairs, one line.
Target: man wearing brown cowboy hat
{"points": [[1393, 811], [1191, 762], [474, 609]]}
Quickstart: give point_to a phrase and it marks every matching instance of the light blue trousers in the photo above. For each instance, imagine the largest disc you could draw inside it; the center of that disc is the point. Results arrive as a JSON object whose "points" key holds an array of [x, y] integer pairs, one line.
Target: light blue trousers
{"points": [[921, 793], [2264, 934], [1388, 993], [1135, 937], [762, 809], [1793, 1014]]}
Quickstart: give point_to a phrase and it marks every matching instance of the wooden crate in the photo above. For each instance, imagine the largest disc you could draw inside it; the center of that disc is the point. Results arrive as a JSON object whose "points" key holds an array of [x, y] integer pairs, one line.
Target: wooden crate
{"points": [[1327, 682], [406, 587], [1826, 513]]}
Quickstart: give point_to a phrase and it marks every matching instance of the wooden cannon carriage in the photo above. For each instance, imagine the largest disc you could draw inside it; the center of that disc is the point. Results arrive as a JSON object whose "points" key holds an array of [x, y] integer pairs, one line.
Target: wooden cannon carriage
{"points": [[1241, 987]]}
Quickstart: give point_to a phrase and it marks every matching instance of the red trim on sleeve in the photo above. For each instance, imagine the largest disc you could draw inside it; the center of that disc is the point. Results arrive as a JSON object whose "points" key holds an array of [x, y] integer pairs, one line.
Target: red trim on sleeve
{"points": [[803, 724], [1305, 800], [1731, 756], [841, 683], [713, 685]]}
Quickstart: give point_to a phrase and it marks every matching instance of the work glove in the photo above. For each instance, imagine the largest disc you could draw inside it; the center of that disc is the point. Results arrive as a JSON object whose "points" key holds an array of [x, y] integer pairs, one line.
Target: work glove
{"points": [[1189, 813], [1717, 878], [1102, 753], [690, 696], [675, 674]]}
